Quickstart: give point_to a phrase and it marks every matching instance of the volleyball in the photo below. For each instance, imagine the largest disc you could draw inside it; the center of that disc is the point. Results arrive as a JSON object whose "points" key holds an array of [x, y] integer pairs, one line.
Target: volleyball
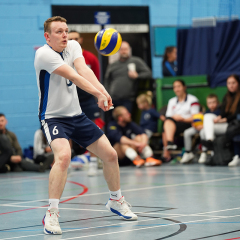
{"points": [[107, 41], [197, 119]]}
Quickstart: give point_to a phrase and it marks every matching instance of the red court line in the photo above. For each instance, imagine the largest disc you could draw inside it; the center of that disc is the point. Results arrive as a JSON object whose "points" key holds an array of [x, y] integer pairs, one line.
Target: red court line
{"points": [[232, 238], [85, 189]]}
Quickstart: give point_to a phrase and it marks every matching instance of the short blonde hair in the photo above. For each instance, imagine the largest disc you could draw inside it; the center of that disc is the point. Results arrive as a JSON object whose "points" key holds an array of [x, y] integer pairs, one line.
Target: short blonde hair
{"points": [[47, 23], [145, 97], [117, 112]]}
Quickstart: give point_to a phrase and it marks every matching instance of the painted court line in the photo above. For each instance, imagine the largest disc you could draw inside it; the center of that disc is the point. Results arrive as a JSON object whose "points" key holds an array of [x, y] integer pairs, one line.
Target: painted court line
{"points": [[163, 171], [131, 230], [35, 207], [103, 210], [146, 188]]}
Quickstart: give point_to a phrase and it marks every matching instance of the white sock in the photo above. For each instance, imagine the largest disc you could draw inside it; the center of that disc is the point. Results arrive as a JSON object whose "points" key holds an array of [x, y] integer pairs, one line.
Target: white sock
{"points": [[53, 203], [93, 159], [115, 195], [147, 152], [131, 153]]}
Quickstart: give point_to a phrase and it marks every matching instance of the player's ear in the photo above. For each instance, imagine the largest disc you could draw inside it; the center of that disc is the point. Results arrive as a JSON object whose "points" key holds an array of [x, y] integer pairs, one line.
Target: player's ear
{"points": [[81, 41], [46, 35]]}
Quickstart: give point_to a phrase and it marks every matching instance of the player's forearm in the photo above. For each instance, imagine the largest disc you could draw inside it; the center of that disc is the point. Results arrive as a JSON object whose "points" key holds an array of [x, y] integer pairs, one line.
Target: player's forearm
{"points": [[85, 85], [126, 140], [145, 138], [88, 74], [188, 120]]}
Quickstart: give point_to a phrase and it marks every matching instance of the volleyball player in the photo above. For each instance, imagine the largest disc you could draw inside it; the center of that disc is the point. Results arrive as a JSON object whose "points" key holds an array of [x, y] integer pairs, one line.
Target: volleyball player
{"points": [[61, 118]]}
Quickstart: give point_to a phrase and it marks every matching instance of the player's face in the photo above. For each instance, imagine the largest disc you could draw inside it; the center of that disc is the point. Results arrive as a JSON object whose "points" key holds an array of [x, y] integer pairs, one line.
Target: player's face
{"points": [[74, 36], [172, 56], [232, 84], [179, 89], [126, 116], [124, 50], [212, 104], [142, 105], [58, 37], [3, 123]]}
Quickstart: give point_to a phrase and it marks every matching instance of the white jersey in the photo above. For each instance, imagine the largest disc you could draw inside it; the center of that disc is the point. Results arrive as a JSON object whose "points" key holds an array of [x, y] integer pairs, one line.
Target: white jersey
{"points": [[57, 95], [185, 108]]}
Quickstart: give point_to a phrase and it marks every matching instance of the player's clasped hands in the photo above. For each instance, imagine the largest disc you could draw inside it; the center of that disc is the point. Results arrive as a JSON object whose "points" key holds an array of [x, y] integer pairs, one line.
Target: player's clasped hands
{"points": [[105, 103]]}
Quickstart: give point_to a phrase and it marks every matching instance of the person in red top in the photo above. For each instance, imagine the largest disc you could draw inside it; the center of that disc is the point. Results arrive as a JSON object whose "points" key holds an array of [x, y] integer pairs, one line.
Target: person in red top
{"points": [[88, 102], [90, 59]]}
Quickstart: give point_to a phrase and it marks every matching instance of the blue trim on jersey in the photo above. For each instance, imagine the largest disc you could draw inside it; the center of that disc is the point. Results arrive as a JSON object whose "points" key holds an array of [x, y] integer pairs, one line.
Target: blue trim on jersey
{"points": [[112, 44], [169, 67], [44, 77]]}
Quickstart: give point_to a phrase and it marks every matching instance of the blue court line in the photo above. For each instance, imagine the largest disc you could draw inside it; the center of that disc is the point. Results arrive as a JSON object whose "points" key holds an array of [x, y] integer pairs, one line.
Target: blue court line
{"points": [[119, 226]]}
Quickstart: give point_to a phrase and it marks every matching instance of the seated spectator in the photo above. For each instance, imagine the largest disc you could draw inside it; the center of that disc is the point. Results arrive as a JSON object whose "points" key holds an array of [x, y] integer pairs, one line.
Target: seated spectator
{"points": [[236, 160], [42, 153], [217, 125], [129, 140], [179, 114], [212, 104], [16, 155], [169, 64], [149, 115], [5, 153], [15, 161]]}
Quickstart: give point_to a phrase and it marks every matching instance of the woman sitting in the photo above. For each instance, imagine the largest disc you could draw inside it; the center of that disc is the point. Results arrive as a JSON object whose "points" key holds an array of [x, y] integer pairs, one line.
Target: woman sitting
{"points": [[179, 114], [217, 125]]}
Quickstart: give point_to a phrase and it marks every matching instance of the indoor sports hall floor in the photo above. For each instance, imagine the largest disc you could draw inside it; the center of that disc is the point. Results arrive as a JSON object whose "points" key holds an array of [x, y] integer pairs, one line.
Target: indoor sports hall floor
{"points": [[173, 202]]}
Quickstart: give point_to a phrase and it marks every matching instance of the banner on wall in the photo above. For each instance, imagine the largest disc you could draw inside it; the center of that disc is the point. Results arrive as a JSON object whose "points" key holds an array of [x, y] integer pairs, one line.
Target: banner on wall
{"points": [[129, 28], [85, 28]]}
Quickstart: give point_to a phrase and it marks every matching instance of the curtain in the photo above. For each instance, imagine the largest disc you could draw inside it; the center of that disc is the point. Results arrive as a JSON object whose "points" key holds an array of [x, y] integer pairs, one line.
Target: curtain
{"points": [[212, 51]]}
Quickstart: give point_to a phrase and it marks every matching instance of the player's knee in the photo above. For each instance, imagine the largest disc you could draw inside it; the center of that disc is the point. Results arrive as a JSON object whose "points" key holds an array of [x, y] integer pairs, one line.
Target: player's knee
{"points": [[138, 138], [64, 160], [112, 156]]}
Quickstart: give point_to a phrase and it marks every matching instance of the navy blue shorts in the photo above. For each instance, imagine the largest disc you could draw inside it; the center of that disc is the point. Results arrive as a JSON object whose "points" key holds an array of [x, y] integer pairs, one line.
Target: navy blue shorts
{"points": [[79, 128]]}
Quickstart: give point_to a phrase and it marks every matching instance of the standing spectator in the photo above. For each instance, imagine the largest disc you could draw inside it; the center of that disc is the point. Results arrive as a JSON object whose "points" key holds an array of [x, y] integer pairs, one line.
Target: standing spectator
{"points": [[120, 78], [149, 116], [129, 140], [212, 104], [179, 114], [217, 125], [88, 102], [169, 64]]}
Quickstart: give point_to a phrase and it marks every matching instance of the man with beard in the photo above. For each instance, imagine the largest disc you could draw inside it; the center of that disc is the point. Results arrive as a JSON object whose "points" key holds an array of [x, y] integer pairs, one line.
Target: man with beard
{"points": [[129, 140], [120, 78]]}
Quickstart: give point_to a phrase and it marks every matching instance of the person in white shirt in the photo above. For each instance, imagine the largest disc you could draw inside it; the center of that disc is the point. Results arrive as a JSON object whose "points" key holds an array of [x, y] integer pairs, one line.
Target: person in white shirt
{"points": [[62, 119], [179, 114], [41, 150]]}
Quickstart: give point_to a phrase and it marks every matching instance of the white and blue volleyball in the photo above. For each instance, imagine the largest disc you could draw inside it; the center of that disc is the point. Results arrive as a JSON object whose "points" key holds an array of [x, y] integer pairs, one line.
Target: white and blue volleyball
{"points": [[108, 41]]}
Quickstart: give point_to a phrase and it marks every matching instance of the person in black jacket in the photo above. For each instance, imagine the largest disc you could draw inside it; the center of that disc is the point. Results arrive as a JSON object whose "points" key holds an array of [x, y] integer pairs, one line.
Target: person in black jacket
{"points": [[217, 125], [169, 65]]}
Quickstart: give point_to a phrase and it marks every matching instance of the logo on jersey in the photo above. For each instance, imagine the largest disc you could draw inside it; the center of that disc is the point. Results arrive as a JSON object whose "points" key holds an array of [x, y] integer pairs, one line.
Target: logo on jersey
{"points": [[66, 53], [68, 82]]}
